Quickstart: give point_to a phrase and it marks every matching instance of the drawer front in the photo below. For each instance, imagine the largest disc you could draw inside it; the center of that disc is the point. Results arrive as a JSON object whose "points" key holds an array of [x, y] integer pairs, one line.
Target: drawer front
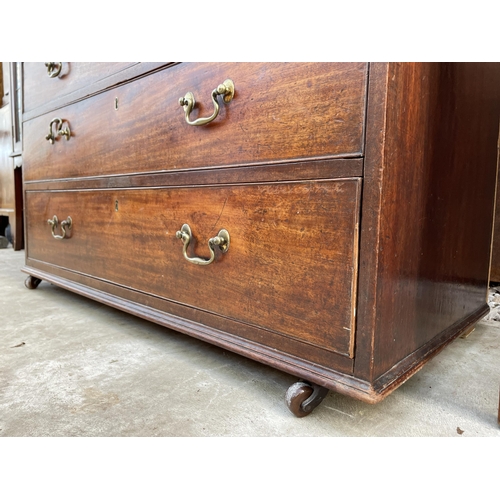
{"points": [[40, 88], [290, 268], [279, 112]]}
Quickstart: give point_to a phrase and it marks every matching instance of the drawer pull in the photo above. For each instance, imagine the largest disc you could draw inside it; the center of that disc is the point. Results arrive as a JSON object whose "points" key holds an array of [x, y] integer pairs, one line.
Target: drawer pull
{"points": [[60, 131], [225, 89], [221, 240], [54, 222], [53, 68]]}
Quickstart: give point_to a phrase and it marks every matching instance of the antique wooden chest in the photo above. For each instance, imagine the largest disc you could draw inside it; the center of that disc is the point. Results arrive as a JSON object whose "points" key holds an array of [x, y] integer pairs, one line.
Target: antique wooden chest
{"points": [[332, 220]]}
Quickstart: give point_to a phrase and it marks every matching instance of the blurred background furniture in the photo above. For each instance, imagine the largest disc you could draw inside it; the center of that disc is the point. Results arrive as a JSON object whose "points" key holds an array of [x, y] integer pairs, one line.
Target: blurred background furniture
{"points": [[11, 180]]}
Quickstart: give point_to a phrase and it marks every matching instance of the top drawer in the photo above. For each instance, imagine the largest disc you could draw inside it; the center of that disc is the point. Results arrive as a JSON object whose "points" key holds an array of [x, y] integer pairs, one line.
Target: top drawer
{"points": [[280, 112], [41, 89]]}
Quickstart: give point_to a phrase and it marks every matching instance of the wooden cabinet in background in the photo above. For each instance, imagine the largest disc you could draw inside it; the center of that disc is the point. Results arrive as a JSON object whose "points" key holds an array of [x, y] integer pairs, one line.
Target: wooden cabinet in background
{"points": [[11, 183], [333, 220]]}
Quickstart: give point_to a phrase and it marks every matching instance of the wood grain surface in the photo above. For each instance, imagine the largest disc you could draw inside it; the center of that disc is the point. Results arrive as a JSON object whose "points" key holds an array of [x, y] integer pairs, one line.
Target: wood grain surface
{"points": [[291, 267], [304, 156], [280, 112], [429, 185], [76, 80]]}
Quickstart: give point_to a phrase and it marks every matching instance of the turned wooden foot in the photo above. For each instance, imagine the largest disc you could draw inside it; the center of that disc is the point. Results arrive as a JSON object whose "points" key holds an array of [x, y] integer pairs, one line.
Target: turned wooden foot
{"points": [[31, 282], [302, 397]]}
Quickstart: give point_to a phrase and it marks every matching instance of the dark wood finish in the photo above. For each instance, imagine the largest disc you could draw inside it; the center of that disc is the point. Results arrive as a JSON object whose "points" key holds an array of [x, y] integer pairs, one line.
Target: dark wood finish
{"points": [[291, 285], [432, 191], [313, 170], [284, 353], [77, 80], [18, 218], [319, 108], [280, 254]]}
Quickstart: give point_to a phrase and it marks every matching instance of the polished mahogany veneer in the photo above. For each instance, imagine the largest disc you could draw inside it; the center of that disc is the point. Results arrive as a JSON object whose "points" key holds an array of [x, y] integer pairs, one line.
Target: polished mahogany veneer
{"points": [[278, 255], [341, 214], [140, 127]]}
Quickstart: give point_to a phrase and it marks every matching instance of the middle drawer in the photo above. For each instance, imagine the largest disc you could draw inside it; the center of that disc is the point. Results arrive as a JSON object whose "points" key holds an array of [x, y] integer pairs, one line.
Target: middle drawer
{"points": [[290, 267]]}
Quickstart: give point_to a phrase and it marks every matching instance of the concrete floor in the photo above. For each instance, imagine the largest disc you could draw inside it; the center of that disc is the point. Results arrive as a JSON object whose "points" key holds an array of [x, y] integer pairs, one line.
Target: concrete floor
{"points": [[70, 366]]}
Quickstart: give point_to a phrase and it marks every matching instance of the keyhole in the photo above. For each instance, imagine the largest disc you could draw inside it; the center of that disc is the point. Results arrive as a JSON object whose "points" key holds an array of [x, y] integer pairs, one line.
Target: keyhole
{"points": [[116, 206], [116, 103]]}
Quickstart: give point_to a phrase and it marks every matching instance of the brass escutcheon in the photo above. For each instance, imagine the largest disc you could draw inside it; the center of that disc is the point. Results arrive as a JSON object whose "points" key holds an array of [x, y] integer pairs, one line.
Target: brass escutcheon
{"points": [[226, 90], [222, 241]]}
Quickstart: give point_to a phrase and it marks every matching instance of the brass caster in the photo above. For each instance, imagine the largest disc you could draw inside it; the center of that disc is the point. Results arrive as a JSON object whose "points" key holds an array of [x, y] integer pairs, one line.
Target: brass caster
{"points": [[31, 282], [302, 397]]}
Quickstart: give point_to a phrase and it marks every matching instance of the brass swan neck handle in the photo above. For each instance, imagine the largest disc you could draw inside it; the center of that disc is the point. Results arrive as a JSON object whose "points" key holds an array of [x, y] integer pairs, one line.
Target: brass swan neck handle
{"points": [[60, 131], [225, 89], [221, 240], [53, 69], [54, 222]]}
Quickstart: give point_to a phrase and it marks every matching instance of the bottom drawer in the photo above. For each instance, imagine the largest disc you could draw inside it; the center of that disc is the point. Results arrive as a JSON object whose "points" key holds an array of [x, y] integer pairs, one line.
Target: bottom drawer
{"points": [[290, 266]]}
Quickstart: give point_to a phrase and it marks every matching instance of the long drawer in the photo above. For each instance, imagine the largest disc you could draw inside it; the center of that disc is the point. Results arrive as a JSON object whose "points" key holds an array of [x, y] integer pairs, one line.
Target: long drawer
{"points": [[292, 249], [279, 112]]}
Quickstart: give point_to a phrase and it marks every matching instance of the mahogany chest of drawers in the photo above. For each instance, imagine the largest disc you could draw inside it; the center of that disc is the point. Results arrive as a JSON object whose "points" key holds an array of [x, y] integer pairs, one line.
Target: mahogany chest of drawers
{"points": [[332, 220]]}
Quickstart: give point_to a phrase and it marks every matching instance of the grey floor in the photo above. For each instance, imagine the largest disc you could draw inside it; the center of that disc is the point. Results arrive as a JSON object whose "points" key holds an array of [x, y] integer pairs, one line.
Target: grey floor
{"points": [[70, 366]]}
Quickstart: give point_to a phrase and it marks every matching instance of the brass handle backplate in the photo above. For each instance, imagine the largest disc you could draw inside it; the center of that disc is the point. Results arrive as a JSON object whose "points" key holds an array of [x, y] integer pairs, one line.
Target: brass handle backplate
{"points": [[65, 224], [60, 131], [53, 68], [221, 240], [226, 90]]}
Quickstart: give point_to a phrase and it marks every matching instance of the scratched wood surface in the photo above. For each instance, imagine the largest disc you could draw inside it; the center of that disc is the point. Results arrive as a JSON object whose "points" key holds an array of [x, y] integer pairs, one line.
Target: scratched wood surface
{"points": [[291, 266], [279, 112]]}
